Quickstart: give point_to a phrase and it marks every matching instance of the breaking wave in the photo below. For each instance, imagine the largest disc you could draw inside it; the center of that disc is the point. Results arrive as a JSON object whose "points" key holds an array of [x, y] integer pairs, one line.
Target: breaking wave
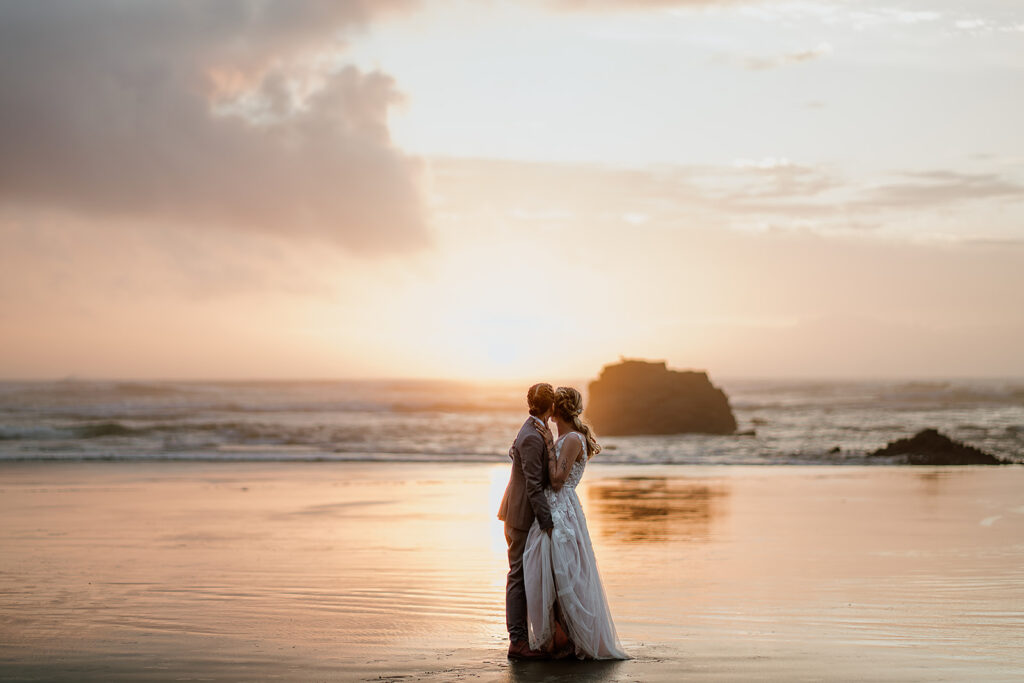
{"points": [[780, 422]]}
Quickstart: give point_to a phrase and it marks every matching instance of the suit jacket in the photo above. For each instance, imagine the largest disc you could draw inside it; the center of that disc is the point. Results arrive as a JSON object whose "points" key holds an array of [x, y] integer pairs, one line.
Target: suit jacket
{"points": [[524, 496]]}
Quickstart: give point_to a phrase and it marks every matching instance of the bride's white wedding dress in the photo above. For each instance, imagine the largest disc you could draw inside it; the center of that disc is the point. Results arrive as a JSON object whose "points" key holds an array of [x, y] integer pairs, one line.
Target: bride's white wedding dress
{"points": [[563, 568]]}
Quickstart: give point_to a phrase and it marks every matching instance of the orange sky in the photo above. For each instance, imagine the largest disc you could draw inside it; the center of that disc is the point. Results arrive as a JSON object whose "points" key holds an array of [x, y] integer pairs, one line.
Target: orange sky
{"points": [[510, 190]]}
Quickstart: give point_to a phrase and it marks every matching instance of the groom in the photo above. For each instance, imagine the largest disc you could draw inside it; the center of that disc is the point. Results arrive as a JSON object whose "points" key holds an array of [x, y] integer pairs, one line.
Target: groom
{"points": [[523, 501]]}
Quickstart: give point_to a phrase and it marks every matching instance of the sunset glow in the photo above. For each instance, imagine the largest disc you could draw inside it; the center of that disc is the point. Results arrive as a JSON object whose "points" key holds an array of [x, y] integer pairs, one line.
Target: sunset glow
{"points": [[511, 189]]}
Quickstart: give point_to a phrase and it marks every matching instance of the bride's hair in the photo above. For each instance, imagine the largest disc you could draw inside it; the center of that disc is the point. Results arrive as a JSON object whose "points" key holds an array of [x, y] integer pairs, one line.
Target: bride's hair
{"points": [[569, 407]]}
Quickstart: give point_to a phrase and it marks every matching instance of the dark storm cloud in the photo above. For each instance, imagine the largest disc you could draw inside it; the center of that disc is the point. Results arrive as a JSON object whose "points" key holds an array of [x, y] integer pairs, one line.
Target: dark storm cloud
{"points": [[203, 113]]}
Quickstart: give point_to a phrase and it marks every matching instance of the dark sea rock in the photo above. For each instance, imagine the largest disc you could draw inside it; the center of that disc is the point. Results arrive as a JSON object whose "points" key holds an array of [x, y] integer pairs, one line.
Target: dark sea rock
{"points": [[929, 447], [641, 397]]}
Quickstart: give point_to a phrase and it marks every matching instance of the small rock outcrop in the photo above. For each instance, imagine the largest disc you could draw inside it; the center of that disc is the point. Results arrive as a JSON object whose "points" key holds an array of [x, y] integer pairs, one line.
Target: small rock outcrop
{"points": [[930, 447], [643, 397]]}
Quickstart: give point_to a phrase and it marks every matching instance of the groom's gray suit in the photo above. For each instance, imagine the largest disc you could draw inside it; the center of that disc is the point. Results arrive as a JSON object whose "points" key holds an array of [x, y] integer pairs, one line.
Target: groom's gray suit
{"points": [[523, 501]]}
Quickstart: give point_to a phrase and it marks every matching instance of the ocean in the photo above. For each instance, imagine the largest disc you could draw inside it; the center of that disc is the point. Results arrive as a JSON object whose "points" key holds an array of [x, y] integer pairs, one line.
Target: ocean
{"points": [[781, 422]]}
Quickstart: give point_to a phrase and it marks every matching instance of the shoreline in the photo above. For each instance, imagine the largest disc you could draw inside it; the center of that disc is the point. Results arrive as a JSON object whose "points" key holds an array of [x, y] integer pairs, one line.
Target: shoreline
{"points": [[389, 571], [457, 460]]}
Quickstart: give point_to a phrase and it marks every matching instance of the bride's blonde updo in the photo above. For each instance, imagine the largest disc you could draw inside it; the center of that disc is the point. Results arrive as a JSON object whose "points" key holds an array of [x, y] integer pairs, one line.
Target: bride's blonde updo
{"points": [[569, 407]]}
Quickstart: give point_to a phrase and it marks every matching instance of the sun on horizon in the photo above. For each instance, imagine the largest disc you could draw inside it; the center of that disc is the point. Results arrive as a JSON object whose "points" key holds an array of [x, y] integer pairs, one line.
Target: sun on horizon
{"points": [[507, 190]]}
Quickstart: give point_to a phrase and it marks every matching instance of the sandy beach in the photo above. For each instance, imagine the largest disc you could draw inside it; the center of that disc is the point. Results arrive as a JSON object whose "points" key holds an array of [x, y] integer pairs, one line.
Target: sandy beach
{"points": [[391, 571]]}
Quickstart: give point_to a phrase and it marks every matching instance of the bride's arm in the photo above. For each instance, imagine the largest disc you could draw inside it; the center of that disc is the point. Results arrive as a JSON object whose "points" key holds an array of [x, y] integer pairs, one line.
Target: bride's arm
{"points": [[558, 468]]}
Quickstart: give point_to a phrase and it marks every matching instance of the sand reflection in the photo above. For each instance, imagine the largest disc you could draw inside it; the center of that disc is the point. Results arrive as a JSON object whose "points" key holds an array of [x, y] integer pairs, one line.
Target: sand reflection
{"points": [[378, 571], [932, 481], [654, 509], [585, 671]]}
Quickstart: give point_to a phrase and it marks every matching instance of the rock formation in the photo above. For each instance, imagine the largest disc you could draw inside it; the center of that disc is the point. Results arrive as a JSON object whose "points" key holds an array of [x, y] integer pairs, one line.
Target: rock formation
{"points": [[641, 397], [929, 447]]}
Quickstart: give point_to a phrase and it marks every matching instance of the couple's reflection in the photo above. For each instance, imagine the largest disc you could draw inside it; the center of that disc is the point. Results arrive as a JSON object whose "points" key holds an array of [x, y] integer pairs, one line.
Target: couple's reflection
{"points": [[589, 671], [653, 509]]}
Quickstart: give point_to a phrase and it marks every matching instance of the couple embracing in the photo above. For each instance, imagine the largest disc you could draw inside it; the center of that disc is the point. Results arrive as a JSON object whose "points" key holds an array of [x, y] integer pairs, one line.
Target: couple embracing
{"points": [[555, 605]]}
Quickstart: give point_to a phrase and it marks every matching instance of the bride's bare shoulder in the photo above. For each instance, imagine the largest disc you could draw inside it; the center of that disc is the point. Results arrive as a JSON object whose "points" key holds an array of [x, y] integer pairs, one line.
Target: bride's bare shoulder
{"points": [[572, 448]]}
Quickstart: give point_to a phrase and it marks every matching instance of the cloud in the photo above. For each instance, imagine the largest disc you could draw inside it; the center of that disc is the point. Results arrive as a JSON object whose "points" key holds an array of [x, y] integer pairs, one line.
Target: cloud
{"points": [[222, 113], [1005, 243], [979, 26], [886, 16], [764, 62], [936, 187], [968, 24], [769, 185], [781, 187], [759, 63], [584, 5], [750, 195]]}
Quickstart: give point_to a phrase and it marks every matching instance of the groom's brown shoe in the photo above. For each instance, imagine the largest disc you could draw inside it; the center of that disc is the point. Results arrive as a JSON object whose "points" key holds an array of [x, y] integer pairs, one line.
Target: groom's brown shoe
{"points": [[521, 650]]}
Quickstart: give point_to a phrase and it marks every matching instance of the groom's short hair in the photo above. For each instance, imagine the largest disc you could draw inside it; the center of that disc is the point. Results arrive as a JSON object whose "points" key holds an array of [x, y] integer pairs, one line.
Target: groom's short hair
{"points": [[540, 398]]}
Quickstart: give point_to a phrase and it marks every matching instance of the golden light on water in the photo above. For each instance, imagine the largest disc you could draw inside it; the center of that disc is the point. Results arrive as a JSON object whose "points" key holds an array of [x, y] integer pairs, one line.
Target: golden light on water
{"points": [[402, 567], [497, 480]]}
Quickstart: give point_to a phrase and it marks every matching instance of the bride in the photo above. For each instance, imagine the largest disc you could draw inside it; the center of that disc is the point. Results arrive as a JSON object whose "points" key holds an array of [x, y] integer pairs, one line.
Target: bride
{"points": [[564, 594]]}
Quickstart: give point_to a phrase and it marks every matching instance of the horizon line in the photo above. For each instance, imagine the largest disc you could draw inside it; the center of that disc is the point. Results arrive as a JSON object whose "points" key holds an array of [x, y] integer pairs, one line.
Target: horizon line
{"points": [[505, 380]]}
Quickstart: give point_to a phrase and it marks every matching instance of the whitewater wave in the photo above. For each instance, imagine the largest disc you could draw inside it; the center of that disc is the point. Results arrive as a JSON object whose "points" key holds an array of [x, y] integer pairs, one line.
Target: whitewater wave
{"points": [[781, 422]]}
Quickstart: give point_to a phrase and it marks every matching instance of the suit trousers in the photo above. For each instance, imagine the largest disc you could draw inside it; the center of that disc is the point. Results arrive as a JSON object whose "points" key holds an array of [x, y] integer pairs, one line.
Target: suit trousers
{"points": [[515, 587]]}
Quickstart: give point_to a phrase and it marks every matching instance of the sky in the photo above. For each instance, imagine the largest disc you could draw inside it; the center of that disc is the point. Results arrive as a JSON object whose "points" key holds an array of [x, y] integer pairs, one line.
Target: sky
{"points": [[484, 190]]}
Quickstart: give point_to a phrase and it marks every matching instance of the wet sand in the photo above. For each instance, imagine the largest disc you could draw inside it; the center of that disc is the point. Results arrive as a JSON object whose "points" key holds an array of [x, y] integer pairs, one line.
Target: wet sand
{"points": [[360, 571]]}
